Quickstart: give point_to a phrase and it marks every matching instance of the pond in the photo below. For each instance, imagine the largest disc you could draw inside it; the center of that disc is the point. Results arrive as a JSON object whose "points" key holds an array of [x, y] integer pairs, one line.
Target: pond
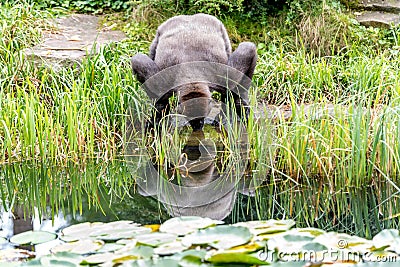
{"points": [[204, 177], [82, 198], [106, 191]]}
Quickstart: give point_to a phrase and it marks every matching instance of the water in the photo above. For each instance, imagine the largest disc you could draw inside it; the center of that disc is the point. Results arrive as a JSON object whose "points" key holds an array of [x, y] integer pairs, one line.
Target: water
{"points": [[47, 196]]}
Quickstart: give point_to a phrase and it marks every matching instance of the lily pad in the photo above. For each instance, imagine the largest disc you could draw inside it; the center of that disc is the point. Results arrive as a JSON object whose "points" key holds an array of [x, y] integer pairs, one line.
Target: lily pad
{"points": [[191, 261], [310, 230], [289, 242], [187, 224], [15, 254], [388, 238], [381, 256], [314, 246], [116, 233], [110, 247], [105, 231], [156, 239], [32, 237], [141, 252], [247, 248], [267, 227], [244, 258], [220, 237], [170, 248], [98, 258], [336, 241], [84, 246], [200, 254], [78, 231], [154, 263], [62, 259]]}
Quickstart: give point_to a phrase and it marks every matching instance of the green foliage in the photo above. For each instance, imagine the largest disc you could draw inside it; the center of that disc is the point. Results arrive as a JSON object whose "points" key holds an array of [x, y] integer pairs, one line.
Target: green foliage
{"points": [[92, 6], [216, 6]]}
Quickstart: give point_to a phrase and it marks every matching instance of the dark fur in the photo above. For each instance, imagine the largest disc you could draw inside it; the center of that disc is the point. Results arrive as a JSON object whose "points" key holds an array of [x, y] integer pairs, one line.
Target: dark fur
{"points": [[198, 37]]}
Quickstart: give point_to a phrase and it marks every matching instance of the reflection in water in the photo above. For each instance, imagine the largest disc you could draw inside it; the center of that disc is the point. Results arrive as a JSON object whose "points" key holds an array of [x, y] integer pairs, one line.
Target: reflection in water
{"points": [[195, 186], [202, 178], [359, 211]]}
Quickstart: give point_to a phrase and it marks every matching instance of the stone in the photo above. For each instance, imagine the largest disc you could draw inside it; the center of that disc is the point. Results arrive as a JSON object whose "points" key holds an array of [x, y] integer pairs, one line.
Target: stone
{"points": [[379, 19], [75, 37], [381, 5]]}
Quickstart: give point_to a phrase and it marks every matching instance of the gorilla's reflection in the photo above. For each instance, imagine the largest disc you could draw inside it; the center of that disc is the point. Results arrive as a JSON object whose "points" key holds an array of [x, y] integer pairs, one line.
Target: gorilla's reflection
{"points": [[202, 190]]}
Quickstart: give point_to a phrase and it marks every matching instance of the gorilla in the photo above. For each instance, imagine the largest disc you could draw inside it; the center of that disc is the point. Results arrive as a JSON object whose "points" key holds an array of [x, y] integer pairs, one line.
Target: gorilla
{"points": [[194, 38]]}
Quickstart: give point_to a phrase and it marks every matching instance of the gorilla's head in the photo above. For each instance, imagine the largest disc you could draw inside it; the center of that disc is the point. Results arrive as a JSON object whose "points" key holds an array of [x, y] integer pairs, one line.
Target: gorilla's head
{"points": [[194, 103]]}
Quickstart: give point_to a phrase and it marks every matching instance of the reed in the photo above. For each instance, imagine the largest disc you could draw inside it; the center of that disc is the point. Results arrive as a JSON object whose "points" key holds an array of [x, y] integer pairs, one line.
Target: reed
{"points": [[311, 166]]}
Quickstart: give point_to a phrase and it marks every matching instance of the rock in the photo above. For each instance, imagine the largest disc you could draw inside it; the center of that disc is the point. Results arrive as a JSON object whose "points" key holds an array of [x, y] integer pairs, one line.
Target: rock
{"points": [[379, 19], [76, 37], [381, 5]]}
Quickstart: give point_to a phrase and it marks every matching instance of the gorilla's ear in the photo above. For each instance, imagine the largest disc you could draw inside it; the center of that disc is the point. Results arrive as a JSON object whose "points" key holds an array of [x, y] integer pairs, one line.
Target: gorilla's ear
{"points": [[143, 67], [244, 58]]}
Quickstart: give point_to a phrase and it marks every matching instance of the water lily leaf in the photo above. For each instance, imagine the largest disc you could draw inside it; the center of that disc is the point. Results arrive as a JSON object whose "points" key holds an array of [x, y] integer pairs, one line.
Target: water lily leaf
{"points": [[10, 264], [121, 224], [141, 252], [2, 240], [105, 231], [161, 262], [289, 242], [110, 247], [381, 255], [311, 231], [126, 241], [98, 258], [170, 248], [155, 239], [78, 231], [247, 248], [267, 227], [84, 246], [200, 254], [377, 264], [220, 237], [186, 224], [236, 258], [297, 238], [387, 238], [290, 264], [191, 261], [109, 234], [15, 254], [314, 246], [127, 246], [59, 259], [336, 241], [32, 237]]}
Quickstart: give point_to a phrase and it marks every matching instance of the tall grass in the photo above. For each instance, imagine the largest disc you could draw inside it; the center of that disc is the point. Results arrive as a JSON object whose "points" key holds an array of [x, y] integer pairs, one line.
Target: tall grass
{"points": [[310, 166]]}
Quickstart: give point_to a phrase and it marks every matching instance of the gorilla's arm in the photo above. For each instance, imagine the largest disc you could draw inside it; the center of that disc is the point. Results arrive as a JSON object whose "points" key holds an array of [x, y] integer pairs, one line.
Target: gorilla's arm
{"points": [[153, 46], [244, 58], [143, 67]]}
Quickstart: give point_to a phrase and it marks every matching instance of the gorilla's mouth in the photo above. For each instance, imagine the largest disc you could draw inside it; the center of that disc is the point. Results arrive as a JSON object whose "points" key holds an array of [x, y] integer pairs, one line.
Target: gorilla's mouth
{"points": [[193, 95]]}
